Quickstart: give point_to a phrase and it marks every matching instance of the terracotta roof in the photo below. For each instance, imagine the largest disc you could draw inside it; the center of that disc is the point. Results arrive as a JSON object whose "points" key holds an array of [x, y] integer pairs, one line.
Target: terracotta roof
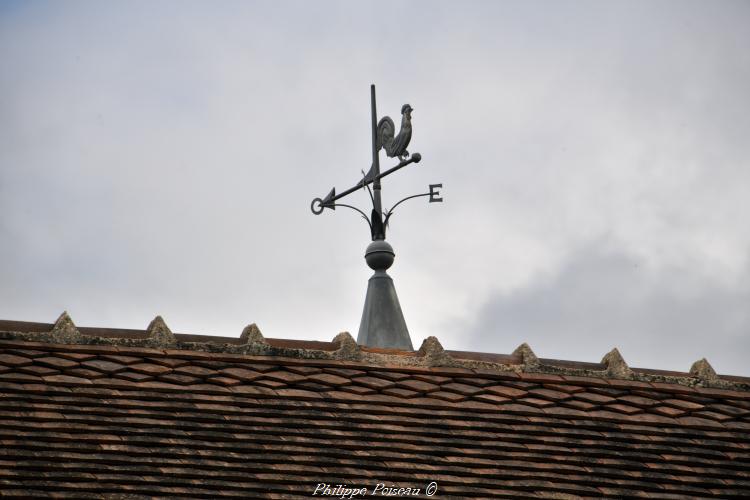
{"points": [[142, 413]]}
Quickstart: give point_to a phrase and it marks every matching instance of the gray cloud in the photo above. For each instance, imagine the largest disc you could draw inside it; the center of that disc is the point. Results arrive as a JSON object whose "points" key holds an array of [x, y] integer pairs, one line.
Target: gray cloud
{"points": [[666, 316], [160, 158]]}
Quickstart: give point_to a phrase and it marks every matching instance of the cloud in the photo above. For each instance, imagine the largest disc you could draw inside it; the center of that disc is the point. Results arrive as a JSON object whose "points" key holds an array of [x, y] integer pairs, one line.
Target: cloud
{"points": [[160, 158], [601, 297]]}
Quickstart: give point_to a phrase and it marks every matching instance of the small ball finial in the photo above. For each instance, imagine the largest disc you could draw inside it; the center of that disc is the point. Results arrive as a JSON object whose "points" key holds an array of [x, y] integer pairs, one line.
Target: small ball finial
{"points": [[379, 255]]}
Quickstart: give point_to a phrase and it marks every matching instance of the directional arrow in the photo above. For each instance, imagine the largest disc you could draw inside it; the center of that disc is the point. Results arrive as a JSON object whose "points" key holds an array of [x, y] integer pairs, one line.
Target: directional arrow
{"points": [[331, 197]]}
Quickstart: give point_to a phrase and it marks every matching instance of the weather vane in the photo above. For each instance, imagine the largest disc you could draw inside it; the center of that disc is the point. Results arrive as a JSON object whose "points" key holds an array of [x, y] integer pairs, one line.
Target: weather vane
{"points": [[382, 322]]}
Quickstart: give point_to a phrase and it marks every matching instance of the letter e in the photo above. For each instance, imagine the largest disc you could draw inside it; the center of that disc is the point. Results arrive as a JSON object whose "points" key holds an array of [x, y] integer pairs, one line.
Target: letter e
{"points": [[434, 193]]}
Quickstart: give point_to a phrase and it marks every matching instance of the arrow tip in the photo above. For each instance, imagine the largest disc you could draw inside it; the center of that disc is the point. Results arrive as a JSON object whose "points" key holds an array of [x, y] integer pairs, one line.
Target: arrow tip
{"points": [[329, 199]]}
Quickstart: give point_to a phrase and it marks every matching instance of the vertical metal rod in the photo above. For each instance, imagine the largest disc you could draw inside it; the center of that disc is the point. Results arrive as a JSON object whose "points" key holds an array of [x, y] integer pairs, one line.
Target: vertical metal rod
{"points": [[375, 155]]}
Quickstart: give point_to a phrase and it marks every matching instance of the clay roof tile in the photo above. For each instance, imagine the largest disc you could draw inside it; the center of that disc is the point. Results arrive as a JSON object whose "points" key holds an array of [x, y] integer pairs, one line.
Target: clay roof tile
{"points": [[146, 413]]}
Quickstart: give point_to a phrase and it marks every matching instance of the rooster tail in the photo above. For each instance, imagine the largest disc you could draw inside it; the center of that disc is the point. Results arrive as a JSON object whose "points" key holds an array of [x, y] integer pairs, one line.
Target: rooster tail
{"points": [[386, 132]]}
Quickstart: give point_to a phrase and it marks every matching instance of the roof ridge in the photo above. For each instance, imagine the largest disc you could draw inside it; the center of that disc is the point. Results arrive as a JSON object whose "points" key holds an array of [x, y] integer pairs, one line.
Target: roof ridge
{"points": [[344, 348]]}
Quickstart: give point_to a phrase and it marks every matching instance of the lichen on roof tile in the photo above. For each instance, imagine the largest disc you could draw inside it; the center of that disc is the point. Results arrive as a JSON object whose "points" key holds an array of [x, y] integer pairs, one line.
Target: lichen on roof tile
{"points": [[251, 335], [159, 334]]}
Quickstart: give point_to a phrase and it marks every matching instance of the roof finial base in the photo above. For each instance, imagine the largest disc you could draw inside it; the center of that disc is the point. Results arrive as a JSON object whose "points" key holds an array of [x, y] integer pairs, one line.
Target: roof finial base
{"points": [[383, 323]]}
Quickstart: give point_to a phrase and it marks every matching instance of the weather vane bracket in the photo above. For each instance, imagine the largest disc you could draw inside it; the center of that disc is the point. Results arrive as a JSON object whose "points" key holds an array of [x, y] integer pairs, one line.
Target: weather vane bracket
{"points": [[383, 137]]}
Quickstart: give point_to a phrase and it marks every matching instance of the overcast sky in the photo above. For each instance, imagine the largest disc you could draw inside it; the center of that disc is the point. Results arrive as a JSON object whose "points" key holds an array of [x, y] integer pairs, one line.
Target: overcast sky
{"points": [[160, 158]]}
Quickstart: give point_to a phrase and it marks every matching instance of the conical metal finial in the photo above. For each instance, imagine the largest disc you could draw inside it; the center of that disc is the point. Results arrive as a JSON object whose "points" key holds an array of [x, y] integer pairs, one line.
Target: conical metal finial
{"points": [[383, 323]]}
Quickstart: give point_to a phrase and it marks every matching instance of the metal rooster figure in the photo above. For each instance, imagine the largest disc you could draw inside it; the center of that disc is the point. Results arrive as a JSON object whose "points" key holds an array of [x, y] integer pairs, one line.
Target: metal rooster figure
{"points": [[395, 146], [382, 322]]}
